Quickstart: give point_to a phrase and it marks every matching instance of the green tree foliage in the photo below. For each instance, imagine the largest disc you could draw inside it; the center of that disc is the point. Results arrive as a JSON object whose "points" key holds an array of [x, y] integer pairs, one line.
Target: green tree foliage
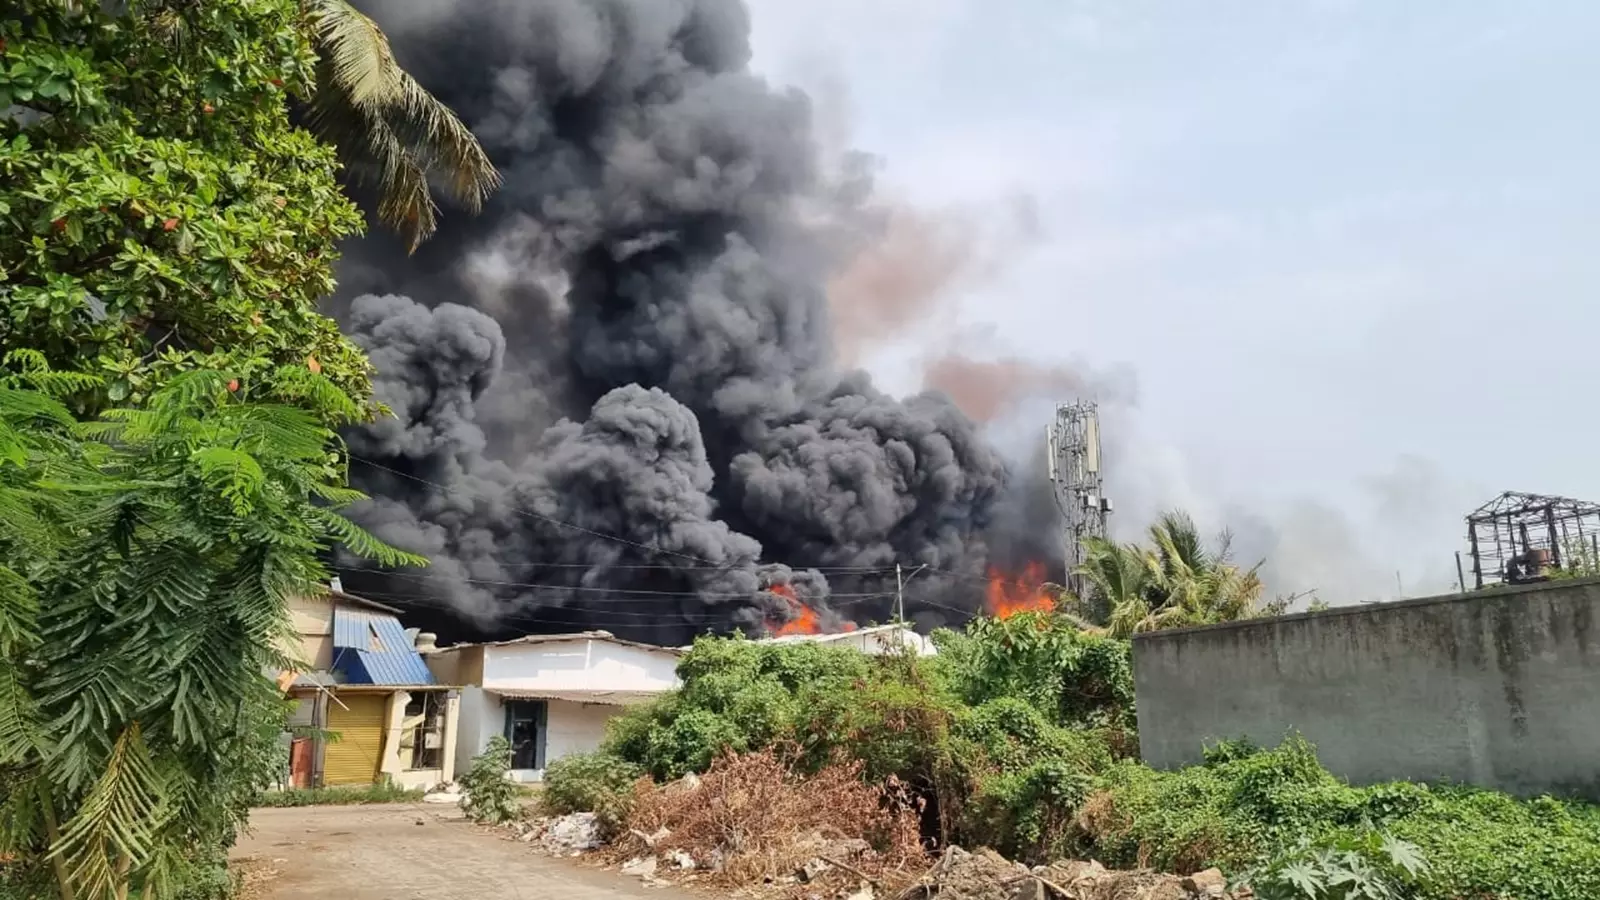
{"points": [[1173, 582], [158, 211], [489, 796], [146, 561]]}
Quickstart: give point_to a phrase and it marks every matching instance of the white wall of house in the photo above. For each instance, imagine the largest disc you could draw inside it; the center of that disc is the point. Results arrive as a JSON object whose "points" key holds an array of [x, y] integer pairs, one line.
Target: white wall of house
{"points": [[576, 728], [482, 717], [875, 641], [578, 665]]}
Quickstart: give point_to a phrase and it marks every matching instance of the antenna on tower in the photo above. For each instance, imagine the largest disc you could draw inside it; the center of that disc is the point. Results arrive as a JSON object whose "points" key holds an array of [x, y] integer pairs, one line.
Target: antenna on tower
{"points": [[1074, 469]]}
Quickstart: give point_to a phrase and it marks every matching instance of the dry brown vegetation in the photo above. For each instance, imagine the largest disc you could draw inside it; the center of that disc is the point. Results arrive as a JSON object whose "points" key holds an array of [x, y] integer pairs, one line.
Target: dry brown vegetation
{"points": [[753, 818]]}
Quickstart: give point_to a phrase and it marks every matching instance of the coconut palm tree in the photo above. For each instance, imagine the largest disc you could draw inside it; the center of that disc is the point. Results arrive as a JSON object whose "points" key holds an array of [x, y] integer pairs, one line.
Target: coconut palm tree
{"points": [[1174, 582], [390, 132]]}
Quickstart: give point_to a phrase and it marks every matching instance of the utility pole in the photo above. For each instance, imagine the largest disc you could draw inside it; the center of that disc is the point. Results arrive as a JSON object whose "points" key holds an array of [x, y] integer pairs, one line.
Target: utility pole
{"points": [[900, 591], [899, 596]]}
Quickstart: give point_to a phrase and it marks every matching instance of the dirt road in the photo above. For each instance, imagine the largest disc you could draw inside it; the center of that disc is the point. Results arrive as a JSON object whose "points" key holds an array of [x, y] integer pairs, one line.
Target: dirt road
{"points": [[383, 853]]}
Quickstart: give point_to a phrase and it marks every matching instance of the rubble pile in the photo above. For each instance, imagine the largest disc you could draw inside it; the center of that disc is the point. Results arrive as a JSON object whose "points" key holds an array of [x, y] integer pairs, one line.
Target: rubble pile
{"points": [[985, 875], [570, 835]]}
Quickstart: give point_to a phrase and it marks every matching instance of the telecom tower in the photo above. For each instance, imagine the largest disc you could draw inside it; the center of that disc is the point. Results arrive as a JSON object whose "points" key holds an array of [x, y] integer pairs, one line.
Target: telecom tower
{"points": [[1074, 461]]}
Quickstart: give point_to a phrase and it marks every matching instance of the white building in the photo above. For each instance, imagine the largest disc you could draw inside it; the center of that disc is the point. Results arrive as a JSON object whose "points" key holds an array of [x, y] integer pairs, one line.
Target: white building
{"points": [[549, 695], [875, 641]]}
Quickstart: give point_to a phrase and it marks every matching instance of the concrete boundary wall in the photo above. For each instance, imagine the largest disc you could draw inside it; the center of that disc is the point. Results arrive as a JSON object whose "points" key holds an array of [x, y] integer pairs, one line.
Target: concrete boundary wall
{"points": [[1498, 688]]}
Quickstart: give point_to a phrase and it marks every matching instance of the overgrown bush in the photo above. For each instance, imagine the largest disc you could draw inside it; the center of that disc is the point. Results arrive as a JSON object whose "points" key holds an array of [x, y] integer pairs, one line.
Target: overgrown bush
{"points": [[1072, 677], [487, 795], [995, 735], [1019, 735], [1366, 866], [601, 783], [1237, 812]]}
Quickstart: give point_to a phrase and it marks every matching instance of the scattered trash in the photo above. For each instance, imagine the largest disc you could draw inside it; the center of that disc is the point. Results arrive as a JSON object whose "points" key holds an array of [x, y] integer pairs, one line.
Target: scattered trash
{"points": [[640, 867], [444, 793]]}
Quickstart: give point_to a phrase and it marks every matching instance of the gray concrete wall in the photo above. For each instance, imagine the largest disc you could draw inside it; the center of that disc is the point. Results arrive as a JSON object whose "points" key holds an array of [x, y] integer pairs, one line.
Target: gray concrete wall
{"points": [[1500, 688]]}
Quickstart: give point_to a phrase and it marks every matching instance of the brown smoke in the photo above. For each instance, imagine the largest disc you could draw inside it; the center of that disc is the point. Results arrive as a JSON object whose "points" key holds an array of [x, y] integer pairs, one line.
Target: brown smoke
{"points": [[906, 280], [901, 280], [986, 390]]}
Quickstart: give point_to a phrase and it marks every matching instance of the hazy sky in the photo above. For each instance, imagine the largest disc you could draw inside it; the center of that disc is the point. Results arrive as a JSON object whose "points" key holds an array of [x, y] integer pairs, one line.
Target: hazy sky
{"points": [[1339, 243]]}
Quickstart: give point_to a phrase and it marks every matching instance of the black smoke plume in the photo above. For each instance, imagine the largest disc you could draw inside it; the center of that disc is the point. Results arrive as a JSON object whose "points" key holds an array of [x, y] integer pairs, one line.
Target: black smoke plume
{"points": [[614, 393]]}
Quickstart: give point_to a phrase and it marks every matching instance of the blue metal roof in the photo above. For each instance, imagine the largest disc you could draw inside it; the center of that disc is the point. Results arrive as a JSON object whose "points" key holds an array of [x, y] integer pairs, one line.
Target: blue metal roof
{"points": [[372, 648]]}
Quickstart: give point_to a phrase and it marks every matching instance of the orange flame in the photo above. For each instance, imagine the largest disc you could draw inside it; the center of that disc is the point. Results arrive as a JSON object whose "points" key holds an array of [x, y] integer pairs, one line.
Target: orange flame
{"points": [[805, 620], [1009, 595]]}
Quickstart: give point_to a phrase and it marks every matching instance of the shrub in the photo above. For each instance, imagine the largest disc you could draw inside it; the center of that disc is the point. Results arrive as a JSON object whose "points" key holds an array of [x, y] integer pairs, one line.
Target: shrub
{"points": [[488, 796], [383, 792], [1242, 812], [1071, 676], [600, 783]]}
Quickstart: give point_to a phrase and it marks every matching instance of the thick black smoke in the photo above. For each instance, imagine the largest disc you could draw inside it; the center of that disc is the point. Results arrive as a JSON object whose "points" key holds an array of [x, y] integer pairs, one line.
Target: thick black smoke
{"points": [[615, 403]]}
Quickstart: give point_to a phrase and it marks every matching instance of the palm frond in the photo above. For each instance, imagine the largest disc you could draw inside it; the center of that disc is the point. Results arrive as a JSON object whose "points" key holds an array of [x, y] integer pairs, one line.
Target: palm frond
{"points": [[357, 53], [389, 130], [446, 144]]}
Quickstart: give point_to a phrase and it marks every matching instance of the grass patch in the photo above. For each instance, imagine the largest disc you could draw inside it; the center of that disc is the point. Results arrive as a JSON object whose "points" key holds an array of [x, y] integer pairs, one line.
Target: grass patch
{"points": [[340, 796]]}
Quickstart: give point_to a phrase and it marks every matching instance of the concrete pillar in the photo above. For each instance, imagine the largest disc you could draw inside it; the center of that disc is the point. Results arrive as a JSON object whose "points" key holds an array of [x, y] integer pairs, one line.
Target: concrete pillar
{"points": [[452, 723], [391, 764]]}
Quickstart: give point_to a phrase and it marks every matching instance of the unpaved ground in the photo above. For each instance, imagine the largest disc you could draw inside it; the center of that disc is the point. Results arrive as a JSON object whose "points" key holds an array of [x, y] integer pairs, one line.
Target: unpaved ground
{"points": [[383, 853]]}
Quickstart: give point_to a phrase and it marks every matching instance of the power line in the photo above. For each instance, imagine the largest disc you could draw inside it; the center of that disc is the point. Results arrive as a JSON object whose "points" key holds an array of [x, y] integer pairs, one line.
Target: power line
{"points": [[599, 590], [586, 616], [667, 567]]}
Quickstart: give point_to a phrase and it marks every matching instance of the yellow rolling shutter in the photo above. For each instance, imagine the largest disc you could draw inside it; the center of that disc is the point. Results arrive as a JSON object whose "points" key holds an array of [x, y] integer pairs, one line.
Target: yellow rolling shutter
{"points": [[359, 721]]}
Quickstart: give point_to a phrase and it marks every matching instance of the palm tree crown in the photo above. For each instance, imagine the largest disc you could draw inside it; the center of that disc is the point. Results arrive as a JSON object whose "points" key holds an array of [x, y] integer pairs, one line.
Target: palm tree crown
{"points": [[390, 132], [1174, 582]]}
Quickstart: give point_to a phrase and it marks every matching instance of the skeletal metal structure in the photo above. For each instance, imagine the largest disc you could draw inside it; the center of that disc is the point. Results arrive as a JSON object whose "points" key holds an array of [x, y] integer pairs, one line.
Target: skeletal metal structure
{"points": [[1074, 460], [1517, 538]]}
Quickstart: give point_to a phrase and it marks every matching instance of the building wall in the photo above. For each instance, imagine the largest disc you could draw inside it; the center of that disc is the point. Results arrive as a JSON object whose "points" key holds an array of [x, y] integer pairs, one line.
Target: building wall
{"points": [[578, 665], [576, 728], [312, 618], [877, 642], [1496, 688], [481, 718]]}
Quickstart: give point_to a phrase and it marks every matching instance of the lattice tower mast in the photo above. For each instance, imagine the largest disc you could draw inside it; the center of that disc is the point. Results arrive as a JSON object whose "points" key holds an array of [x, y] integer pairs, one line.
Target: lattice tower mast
{"points": [[1074, 469]]}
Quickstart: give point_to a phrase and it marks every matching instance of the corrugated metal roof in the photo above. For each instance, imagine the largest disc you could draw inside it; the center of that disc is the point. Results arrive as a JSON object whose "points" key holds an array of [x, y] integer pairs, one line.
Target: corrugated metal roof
{"points": [[372, 648]]}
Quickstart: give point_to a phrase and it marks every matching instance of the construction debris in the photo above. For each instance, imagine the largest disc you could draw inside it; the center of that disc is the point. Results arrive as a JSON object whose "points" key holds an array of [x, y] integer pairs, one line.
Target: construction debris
{"points": [[986, 875], [569, 835]]}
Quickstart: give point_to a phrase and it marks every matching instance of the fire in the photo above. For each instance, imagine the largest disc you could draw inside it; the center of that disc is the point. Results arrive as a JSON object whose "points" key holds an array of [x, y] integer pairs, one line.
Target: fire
{"points": [[805, 620], [1009, 595]]}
